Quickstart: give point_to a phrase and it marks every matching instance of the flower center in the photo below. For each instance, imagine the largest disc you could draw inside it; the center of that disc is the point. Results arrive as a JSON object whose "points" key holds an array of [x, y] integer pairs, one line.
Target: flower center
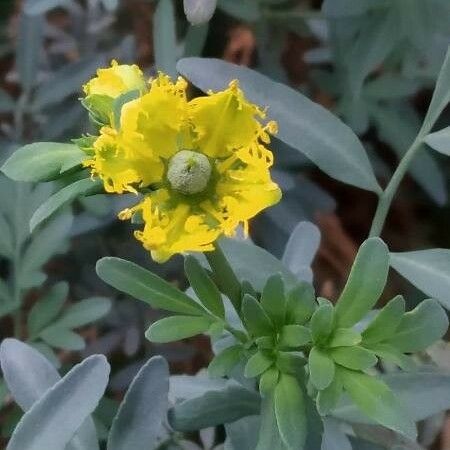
{"points": [[189, 172]]}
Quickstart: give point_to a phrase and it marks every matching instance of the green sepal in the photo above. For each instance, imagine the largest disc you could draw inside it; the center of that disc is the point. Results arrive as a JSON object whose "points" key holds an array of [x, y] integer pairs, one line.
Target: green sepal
{"points": [[294, 336], [355, 358], [321, 368], [224, 362], [86, 143], [100, 108], [256, 320], [386, 322], [118, 104], [257, 364], [300, 304], [273, 300]]}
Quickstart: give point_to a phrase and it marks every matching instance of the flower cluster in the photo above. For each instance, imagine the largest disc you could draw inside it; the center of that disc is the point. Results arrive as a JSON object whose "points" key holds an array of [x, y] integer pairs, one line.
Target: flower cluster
{"points": [[201, 166]]}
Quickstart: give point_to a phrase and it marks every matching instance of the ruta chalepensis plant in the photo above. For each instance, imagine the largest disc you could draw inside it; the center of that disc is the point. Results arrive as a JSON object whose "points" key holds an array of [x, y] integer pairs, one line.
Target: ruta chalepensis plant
{"points": [[200, 168]]}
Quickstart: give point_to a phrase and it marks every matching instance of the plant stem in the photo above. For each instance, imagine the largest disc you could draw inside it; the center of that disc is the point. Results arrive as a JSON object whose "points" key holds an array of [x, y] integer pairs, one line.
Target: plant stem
{"points": [[224, 276], [17, 297], [388, 194]]}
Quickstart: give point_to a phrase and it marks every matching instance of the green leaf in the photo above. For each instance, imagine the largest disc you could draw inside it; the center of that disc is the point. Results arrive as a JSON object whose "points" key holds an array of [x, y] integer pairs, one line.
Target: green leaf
{"points": [[49, 240], [28, 49], [63, 197], [63, 408], [269, 436], [389, 86], [345, 8], [390, 354], [195, 39], [42, 161], [386, 321], [29, 375], [164, 37], [204, 287], [290, 412], [62, 338], [47, 308], [85, 312], [355, 358], [344, 337], [294, 336], [138, 421], [423, 395], [328, 398], [256, 320], [419, 328], [365, 283], [441, 94], [427, 270], [273, 300], [175, 328], [291, 362], [374, 398], [246, 10], [321, 368], [268, 381], [257, 364], [6, 238], [254, 264], [215, 407], [439, 141], [146, 286], [303, 124], [225, 361], [371, 48], [322, 323], [300, 304]]}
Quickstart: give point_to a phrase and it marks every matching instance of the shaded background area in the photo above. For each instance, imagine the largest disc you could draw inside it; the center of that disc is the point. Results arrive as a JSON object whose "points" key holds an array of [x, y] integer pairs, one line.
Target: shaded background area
{"points": [[48, 49]]}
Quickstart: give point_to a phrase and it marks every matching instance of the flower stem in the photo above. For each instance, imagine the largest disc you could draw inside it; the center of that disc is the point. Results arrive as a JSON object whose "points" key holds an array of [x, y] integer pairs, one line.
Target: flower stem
{"points": [[388, 194], [224, 276]]}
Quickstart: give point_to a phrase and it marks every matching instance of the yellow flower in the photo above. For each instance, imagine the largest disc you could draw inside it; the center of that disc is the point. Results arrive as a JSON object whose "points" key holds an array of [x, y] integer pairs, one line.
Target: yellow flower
{"points": [[204, 164], [115, 81]]}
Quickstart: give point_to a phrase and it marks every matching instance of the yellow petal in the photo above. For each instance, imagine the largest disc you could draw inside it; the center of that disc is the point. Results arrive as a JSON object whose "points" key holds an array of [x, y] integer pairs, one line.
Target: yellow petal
{"points": [[115, 81], [121, 168], [224, 121], [158, 117]]}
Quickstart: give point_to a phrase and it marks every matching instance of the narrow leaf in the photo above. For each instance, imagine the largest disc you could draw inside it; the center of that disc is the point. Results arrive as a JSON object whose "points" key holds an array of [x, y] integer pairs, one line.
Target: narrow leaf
{"points": [[256, 320], [355, 358], [375, 399], [164, 37], [65, 196], [42, 161], [440, 141], [84, 312], [290, 412], [177, 327], [139, 419], [321, 368], [365, 283], [427, 270], [53, 419], [146, 286], [207, 292], [273, 300]]}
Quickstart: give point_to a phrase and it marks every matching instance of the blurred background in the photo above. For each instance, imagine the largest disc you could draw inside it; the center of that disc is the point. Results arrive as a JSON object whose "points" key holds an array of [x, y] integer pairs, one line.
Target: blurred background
{"points": [[388, 51]]}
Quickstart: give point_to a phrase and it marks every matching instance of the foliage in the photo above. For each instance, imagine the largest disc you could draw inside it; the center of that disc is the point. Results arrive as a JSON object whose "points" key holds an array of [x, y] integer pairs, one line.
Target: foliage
{"points": [[291, 369]]}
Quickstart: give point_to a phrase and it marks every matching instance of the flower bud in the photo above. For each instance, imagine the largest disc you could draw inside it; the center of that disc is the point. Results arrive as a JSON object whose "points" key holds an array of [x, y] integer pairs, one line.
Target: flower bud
{"points": [[199, 11]]}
